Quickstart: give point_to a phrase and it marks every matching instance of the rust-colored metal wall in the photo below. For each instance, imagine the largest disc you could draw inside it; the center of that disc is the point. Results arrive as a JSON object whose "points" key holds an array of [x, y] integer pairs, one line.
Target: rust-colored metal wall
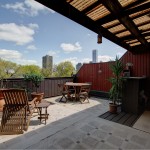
{"points": [[97, 74], [91, 72]]}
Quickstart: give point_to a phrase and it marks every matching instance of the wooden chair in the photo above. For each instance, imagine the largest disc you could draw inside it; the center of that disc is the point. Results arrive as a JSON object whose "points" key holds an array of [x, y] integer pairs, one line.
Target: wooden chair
{"points": [[17, 111], [84, 93], [64, 92]]}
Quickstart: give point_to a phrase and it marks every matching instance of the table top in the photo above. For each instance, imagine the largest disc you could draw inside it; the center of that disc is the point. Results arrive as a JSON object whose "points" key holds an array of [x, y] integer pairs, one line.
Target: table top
{"points": [[43, 104], [76, 84]]}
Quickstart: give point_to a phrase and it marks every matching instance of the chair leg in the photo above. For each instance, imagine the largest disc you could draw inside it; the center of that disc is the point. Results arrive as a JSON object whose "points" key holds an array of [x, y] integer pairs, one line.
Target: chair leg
{"points": [[61, 99], [63, 96], [88, 100], [66, 99]]}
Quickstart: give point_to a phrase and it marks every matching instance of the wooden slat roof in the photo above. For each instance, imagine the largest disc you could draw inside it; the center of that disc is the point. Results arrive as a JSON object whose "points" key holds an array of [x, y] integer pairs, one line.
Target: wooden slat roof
{"points": [[124, 22]]}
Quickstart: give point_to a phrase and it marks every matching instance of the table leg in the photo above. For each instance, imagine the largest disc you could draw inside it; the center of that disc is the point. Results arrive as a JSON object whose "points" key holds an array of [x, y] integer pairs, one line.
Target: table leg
{"points": [[40, 109], [45, 115]]}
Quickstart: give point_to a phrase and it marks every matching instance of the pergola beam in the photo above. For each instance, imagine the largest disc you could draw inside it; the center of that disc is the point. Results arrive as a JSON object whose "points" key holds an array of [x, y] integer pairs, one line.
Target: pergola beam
{"points": [[125, 11], [115, 8]]}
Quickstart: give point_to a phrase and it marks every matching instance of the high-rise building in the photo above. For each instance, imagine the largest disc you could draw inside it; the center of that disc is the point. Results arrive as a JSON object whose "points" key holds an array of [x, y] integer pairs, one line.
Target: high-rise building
{"points": [[47, 62], [94, 56], [78, 66]]}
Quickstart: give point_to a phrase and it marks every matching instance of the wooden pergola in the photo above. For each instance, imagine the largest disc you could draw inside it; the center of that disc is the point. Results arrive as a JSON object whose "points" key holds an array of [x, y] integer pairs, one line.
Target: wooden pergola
{"points": [[124, 22]]}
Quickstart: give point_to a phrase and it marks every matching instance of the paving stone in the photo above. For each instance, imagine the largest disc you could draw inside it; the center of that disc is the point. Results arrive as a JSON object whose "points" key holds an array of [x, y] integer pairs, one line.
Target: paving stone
{"points": [[120, 133], [100, 134], [95, 124], [139, 140], [87, 128], [40, 145], [77, 135], [65, 143], [51, 147], [106, 128], [2, 146], [79, 146], [53, 140], [30, 134], [148, 145], [115, 141], [90, 141], [131, 146], [104, 146], [13, 142]]}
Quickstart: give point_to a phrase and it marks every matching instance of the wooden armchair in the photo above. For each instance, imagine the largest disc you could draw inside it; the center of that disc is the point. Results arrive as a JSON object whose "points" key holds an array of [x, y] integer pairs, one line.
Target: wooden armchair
{"points": [[17, 111]]}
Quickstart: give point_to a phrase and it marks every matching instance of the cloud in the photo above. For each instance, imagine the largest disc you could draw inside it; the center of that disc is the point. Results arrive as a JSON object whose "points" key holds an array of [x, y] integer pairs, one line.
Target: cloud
{"points": [[53, 53], [15, 56], [73, 60], [86, 60], [31, 47], [10, 54], [67, 47], [28, 7], [19, 34], [33, 26], [104, 58], [26, 62]]}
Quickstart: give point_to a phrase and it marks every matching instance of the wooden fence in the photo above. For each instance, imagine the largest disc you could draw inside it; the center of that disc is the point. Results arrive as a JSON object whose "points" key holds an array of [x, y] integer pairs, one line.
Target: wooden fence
{"points": [[49, 85]]}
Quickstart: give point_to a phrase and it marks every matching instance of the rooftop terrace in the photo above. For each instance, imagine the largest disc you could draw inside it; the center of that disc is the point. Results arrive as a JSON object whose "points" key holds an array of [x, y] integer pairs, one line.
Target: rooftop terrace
{"points": [[74, 125]]}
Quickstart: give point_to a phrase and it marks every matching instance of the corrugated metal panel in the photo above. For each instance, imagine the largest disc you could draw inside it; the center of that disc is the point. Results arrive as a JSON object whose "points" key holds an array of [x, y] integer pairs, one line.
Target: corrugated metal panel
{"points": [[91, 73], [49, 86]]}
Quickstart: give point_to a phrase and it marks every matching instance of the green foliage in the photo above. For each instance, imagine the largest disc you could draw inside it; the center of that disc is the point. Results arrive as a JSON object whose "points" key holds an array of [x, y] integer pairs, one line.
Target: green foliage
{"points": [[46, 72], [8, 70], [35, 78], [30, 69], [117, 80], [64, 69]]}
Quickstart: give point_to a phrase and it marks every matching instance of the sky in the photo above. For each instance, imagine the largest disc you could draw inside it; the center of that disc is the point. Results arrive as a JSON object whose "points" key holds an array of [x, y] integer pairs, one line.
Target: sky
{"points": [[29, 31]]}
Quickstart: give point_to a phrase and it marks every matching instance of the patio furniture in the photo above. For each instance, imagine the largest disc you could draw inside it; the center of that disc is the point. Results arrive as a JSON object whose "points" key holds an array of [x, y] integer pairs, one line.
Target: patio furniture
{"points": [[17, 111], [84, 93], [77, 87], [43, 105], [64, 91]]}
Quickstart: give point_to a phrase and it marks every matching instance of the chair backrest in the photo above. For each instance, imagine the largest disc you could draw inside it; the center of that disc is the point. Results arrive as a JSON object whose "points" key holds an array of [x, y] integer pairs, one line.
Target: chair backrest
{"points": [[62, 87], [15, 96], [85, 88]]}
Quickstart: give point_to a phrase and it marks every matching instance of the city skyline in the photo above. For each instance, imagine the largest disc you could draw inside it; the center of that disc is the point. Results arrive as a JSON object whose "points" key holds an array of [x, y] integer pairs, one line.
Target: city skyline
{"points": [[28, 31]]}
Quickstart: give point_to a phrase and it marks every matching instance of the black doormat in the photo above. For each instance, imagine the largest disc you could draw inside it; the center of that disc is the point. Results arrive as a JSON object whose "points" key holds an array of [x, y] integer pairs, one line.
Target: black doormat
{"points": [[123, 118]]}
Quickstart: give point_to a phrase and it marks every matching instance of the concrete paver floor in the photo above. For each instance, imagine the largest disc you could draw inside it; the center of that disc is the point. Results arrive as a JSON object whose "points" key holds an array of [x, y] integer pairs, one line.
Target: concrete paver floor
{"points": [[74, 125]]}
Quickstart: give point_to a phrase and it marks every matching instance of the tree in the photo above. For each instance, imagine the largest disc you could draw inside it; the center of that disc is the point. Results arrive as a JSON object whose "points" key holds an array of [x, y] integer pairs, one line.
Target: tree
{"points": [[46, 72], [8, 69], [64, 69], [30, 69]]}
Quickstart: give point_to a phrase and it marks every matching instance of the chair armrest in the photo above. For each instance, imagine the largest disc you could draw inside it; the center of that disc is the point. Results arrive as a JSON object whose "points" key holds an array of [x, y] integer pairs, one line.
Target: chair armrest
{"points": [[33, 101]]}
